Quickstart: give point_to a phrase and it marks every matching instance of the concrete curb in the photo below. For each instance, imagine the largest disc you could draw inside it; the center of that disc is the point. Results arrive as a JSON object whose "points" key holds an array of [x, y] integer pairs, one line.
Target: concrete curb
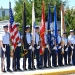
{"points": [[53, 72]]}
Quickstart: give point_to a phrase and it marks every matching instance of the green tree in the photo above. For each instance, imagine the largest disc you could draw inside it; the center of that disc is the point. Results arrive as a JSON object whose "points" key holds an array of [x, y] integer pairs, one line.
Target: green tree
{"points": [[70, 19], [4, 18], [38, 8]]}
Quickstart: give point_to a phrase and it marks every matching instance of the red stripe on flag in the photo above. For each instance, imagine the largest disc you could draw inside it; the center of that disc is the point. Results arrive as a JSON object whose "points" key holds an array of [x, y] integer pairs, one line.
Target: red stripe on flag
{"points": [[14, 35], [42, 27]]}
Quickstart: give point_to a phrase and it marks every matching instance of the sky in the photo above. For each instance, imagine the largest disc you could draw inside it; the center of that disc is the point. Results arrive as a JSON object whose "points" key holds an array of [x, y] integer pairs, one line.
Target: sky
{"points": [[5, 3]]}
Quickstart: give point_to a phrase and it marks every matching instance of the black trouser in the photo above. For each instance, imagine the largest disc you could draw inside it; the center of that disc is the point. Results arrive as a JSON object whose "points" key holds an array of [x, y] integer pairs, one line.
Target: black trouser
{"points": [[59, 57], [65, 55], [54, 58], [45, 57], [69, 54], [7, 54], [37, 53], [16, 59], [73, 57], [24, 61]]}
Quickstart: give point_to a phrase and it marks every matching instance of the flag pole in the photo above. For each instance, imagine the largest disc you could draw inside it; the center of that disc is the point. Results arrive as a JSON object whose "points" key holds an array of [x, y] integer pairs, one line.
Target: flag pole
{"points": [[48, 30], [33, 20]]}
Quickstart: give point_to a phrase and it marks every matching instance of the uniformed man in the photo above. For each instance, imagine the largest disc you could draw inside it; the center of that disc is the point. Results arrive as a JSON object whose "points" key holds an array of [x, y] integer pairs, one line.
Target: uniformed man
{"points": [[64, 49], [54, 50], [46, 51], [59, 49], [71, 41], [50, 41], [37, 46], [17, 52], [6, 47], [1, 53], [29, 46]]}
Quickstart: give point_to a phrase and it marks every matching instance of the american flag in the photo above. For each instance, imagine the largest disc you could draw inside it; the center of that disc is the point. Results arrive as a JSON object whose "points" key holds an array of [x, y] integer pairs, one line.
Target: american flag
{"points": [[13, 29]]}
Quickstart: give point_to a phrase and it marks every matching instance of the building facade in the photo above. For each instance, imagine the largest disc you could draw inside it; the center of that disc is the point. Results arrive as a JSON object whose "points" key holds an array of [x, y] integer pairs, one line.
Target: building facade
{"points": [[4, 12]]}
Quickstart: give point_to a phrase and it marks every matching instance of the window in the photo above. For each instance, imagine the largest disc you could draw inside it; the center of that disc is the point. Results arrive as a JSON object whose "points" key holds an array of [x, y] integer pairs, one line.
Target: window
{"points": [[3, 13]]}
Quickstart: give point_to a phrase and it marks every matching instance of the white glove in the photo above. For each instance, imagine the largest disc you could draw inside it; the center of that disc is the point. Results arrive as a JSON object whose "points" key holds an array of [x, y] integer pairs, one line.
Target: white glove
{"points": [[12, 47], [38, 47], [62, 50], [55, 48], [30, 47], [66, 49], [19, 44], [59, 47], [42, 49], [4, 49], [33, 49], [72, 47], [47, 46]]}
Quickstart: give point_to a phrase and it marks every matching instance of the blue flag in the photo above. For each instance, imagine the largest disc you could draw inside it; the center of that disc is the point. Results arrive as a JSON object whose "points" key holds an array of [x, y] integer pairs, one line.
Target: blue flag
{"points": [[49, 17], [48, 26], [11, 14], [55, 26]]}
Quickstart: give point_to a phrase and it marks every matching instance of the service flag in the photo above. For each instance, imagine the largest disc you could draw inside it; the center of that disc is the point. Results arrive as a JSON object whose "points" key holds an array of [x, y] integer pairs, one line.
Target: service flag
{"points": [[42, 27], [55, 27], [62, 20]]}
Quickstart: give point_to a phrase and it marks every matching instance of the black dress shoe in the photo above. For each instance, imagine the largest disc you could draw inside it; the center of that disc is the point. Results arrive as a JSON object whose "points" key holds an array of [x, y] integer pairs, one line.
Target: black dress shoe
{"points": [[34, 68], [25, 69], [4, 71], [9, 70], [30, 68], [15, 70], [19, 69], [45, 67]]}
